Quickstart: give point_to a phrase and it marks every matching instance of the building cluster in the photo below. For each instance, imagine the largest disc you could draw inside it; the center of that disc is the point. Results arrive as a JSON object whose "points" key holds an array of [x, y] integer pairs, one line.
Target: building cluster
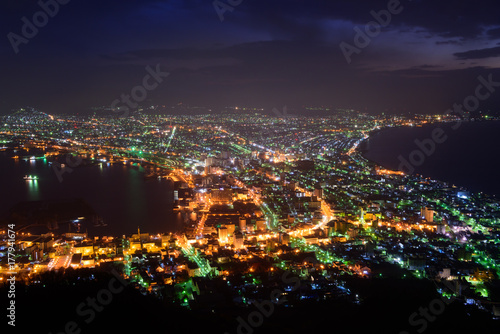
{"points": [[263, 195]]}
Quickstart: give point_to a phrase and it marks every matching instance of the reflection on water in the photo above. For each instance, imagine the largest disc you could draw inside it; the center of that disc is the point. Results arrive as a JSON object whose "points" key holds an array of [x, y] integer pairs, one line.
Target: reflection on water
{"points": [[135, 195], [118, 193], [33, 191]]}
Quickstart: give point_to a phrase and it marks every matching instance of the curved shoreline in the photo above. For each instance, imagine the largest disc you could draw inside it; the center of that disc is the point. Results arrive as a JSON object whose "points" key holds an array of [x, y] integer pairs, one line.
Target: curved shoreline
{"points": [[479, 188], [377, 131], [160, 218]]}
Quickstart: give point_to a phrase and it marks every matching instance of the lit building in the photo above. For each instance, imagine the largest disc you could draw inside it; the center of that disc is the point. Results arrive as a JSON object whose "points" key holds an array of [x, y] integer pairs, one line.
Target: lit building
{"points": [[261, 224], [222, 196], [284, 238], [243, 224], [318, 192], [76, 260], [222, 233], [230, 229], [427, 214], [238, 240], [84, 249]]}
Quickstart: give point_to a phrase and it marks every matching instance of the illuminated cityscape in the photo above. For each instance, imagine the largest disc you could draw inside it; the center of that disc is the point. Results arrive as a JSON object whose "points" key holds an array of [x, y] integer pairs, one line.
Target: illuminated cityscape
{"points": [[261, 196], [250, 167]]}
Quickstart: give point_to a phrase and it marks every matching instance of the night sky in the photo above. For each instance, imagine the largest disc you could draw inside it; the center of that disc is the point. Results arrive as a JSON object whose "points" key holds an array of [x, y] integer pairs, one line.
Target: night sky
{"points": [[267, 53]]}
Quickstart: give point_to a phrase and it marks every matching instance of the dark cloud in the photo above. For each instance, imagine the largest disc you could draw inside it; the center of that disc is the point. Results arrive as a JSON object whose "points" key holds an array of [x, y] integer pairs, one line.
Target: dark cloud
{"points": [[494, 33], [449, 42], [263, 53], [479, 54], [446, 18], [427, 66]]}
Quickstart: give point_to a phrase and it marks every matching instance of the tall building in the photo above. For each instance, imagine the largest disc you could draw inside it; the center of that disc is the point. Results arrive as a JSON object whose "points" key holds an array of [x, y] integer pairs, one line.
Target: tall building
{"points": [[230, 229], [222, 233], [284, 238], [427, 214], [341, 226], [318, 192], [331, 228], [209, 162], [243, 224], [261, 224], [238, 240]]}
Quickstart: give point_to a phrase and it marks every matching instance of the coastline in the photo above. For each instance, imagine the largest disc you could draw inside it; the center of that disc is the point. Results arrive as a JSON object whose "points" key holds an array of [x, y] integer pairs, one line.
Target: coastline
{"points": [[364, 149], [88, 183], [378, 131]]}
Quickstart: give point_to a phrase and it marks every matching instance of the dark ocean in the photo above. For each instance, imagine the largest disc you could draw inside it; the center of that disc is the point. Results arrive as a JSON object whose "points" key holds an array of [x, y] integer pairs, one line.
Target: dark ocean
{"points": [[467, 156]]}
